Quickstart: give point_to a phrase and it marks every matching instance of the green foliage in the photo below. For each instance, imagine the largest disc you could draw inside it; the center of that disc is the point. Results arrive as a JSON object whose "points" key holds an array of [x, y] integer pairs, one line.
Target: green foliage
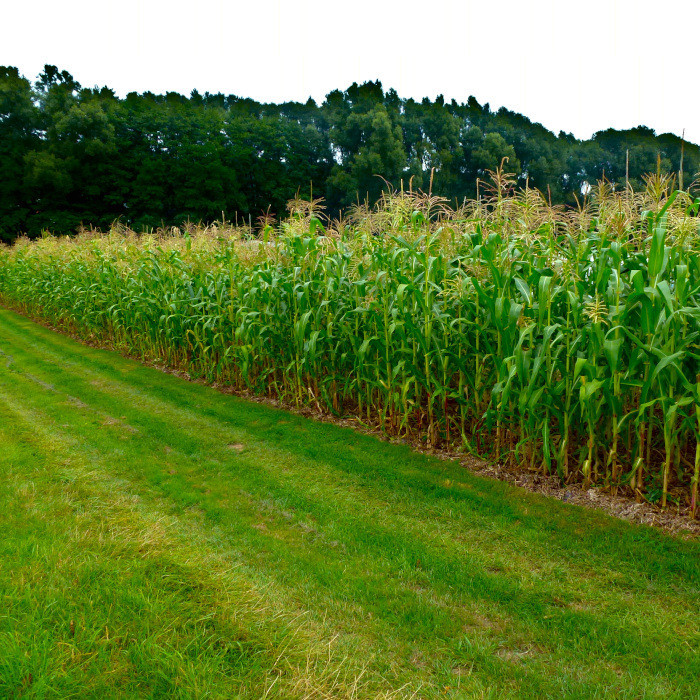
{"points": [[19, 119], [379, 151], [71, 155]]}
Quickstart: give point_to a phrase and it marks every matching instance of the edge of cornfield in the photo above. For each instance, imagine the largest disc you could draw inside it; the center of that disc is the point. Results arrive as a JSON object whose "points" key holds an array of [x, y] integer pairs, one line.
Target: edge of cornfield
{"points": [[621, 506]]}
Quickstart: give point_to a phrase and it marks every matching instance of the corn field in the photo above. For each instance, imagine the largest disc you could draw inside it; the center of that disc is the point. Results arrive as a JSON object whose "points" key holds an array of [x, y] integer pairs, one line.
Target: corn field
{"points": [[564, 342]]}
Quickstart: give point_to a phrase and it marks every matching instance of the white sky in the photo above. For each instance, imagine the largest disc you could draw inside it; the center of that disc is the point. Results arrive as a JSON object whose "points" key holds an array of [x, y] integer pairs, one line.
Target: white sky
{"points": [[577, 66]]}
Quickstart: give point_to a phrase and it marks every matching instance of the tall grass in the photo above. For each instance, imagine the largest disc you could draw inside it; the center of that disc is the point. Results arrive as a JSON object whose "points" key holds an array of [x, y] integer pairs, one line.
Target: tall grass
{"points": [[562, 341]]}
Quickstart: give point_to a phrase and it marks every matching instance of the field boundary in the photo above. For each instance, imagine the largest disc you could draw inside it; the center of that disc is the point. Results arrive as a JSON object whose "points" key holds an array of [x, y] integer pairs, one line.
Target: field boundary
{"points": [[619, 506]]}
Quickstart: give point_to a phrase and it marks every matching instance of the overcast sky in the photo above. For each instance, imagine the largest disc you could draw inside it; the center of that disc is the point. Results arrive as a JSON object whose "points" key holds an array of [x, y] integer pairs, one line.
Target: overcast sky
{"points": [[577, 66]]}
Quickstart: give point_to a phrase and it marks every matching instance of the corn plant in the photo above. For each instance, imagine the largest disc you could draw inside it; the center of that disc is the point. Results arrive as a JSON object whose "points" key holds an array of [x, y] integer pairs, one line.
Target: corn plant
{"points": [[563, 342]]}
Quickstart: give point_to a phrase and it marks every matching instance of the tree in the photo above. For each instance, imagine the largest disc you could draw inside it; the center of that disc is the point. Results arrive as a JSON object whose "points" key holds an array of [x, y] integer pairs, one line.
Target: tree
{"points": [[71, 155], [380, 156], [19, 119]]}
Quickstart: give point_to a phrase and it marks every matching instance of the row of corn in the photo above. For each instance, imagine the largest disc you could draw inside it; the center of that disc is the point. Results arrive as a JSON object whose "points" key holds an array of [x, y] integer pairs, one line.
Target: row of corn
{"points": [[564, 342]]}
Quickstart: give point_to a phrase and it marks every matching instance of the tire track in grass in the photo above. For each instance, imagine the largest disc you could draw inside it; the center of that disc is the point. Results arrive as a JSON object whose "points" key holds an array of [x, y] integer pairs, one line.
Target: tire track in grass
{"points": [[74, 412], [232, 627], [372, 583]]}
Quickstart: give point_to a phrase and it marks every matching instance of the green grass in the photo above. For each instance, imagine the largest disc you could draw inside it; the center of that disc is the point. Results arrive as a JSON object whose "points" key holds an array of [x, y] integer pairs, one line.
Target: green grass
{"points": [[161, 539]]}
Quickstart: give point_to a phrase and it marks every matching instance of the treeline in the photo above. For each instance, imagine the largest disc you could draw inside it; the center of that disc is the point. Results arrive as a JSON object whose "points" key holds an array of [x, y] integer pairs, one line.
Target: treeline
{"points": [[71, 155]]}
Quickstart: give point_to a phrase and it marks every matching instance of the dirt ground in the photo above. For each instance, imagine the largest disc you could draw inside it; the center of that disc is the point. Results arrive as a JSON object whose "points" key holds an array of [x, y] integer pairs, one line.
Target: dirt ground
{"points": [[673, 520]]}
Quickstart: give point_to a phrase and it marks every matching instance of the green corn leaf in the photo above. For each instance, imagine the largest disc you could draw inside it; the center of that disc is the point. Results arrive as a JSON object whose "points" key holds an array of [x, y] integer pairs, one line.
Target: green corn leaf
{"points": [[612, 348]]}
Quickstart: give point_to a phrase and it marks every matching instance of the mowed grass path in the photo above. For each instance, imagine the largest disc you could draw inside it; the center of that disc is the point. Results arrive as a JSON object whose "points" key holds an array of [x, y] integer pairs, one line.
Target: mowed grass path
{"points": [[160, 539]]}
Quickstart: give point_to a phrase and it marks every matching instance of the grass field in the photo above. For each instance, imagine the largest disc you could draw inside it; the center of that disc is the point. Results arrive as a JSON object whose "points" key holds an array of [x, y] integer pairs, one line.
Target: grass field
{"points": [[161, 539]]}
